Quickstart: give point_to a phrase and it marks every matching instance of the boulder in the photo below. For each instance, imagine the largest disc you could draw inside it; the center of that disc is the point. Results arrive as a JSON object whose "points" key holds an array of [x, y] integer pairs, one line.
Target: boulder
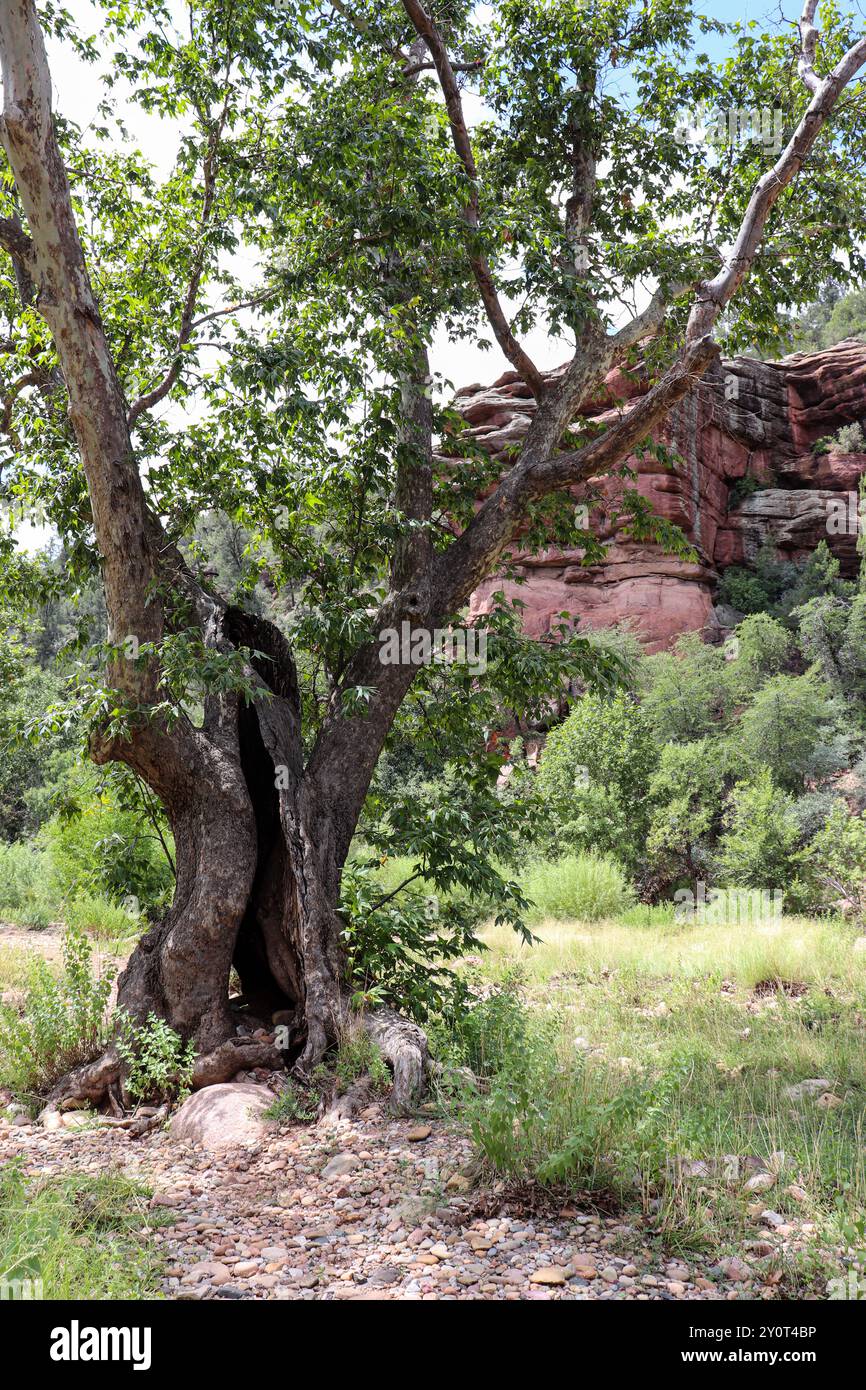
{"points": [[223, 1117]]}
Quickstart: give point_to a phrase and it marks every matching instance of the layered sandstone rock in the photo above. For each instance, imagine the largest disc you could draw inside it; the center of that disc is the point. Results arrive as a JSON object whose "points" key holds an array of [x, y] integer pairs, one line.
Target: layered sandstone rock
{"points": [[745, 420]]}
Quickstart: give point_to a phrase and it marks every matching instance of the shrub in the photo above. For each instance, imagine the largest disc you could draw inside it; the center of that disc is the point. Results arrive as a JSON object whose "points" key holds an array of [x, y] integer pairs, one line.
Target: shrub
{"points": [[761, 835], [103, 918], [63, 1022], [579, 887], [159, 1063], [28, 891], [294, 1104], [594, 776], [488, 1034], [836, 860], [744, 591], [100, 845]]}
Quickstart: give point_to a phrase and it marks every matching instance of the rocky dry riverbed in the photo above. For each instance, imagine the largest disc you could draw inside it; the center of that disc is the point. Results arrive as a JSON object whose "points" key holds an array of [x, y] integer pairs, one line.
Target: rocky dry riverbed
{"points": [[375, 1209]]}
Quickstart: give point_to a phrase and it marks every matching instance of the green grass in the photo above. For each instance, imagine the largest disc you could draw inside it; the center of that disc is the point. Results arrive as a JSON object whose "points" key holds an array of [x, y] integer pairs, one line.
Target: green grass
{"points": [[582, 887], [641, 1050], [15, 966], [83, 1237], [32, 896]]}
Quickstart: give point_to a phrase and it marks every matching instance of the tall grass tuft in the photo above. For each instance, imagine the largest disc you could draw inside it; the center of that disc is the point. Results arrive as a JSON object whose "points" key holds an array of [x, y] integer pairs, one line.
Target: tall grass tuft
{"points": [[578, 887]]}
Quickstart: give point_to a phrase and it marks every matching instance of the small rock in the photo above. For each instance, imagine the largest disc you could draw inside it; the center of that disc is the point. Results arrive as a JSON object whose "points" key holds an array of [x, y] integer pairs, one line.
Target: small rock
{"points": [[734, 1269], [420, 1132], [812, 1087], [761, 1182], [798, 1193], [772, 1218], [549, 1274], [828, 1101], [340, 1164]]}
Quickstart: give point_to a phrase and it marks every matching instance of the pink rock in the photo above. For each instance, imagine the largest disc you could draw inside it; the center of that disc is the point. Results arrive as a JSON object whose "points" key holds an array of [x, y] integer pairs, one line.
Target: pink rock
{"points": [[744, 419], [224, 1116]]}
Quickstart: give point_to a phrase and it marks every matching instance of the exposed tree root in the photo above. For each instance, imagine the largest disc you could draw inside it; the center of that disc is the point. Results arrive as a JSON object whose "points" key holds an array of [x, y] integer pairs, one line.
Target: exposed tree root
{"points": [[89, 1083], [232, 1056], [403, 1046], [342, 1109]]}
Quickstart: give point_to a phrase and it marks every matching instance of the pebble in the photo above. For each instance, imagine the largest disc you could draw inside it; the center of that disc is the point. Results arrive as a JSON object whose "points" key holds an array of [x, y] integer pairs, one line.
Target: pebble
{"points": [[293, 1219]]}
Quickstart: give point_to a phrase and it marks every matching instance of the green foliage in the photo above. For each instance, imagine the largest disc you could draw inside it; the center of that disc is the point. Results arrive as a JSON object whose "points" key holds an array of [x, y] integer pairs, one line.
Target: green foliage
{"points": [[159, 1064], [687, 690], [62, 1024], [24, 766], [294, 1103], [835, 861], [780, 587], [81, 1236], [792, 726], [102, 842], [832, 318], [485, 1036], [745, 591], [579, 887], [28, 887], [832, 634], [760, 836], [398, 946], [764, 647], [594, 777], [357, 1056], [848, 439], [687, 793]]}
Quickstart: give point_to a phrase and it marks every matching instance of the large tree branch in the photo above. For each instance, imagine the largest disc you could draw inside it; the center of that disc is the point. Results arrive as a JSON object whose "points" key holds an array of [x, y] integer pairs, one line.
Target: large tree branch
{"points": [[66, 301], [808, 45], [715, 294], [540, 469], [519, 359], [474, 554]]}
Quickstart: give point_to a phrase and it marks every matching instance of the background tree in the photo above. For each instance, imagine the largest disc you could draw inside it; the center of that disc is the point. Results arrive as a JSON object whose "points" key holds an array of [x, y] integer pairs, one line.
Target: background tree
{"points": [[332, 147]]}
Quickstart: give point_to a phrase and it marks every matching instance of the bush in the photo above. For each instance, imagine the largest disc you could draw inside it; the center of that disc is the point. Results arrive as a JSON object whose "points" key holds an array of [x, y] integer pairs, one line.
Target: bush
{"points": [[546, 1114], [28, 890], [63, 1023], [101, 917], [836, 861], [488, 1034], [579, 887], [761, 836], [594, 777], [159, 1063], [100, 845]]}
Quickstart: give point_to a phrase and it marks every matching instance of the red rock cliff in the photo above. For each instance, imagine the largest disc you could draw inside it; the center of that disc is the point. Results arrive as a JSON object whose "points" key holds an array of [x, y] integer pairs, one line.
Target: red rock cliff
{"points": [[744, 419]]}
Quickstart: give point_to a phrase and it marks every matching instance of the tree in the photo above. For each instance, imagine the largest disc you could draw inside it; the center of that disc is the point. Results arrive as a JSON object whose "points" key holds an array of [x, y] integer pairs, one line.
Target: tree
{"points": [[761, 834], [332, 145], [793, 726], [594, 778]]}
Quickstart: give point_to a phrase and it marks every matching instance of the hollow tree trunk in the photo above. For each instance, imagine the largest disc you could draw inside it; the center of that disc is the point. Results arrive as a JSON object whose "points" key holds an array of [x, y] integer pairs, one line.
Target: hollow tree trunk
{"points": [[260, 846]]}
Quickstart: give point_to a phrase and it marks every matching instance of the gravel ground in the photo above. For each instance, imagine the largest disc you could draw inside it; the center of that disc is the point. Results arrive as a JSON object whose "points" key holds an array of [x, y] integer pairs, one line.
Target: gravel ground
{"points": [[377, 1209]]}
